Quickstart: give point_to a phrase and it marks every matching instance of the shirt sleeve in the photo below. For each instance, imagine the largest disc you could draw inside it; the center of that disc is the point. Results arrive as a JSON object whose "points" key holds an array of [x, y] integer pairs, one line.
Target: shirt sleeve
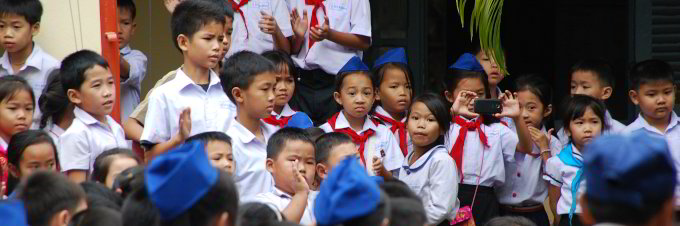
{"points": [[157, 127], [139, 113], [360, 18], [393, 155], [442, 196], [509, 141], [282, 16], [137, 61], [555, 146], [552, 171], [74, 151]]}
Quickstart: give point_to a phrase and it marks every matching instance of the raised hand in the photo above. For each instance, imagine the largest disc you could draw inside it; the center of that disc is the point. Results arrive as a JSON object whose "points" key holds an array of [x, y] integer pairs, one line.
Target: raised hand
{"points": [[460, 105], [510, 105], [184, 124], [300, 184], [321, 32], [298, 24], [171, 4], [541, 139], [268, 24]]}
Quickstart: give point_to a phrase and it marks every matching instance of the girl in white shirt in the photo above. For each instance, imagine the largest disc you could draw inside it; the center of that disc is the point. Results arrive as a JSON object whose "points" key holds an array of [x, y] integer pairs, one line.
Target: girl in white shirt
{"points": [[57, 111]]}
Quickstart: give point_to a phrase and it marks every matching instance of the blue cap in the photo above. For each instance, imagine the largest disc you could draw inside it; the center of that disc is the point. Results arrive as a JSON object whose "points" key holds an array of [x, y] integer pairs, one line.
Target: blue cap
{"points": [[300, 120], [354, 64], [177, 179], [12, 212], [467, 62], [629, 169], [397, 55], [347, 193]]}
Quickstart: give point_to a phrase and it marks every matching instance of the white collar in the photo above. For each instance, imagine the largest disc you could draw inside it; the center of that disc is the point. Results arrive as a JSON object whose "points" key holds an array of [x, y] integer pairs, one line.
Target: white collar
{"points": [[380, 110], [32, 61], [341, 123], [183, 79], [641, 122], [55, 129], [281, 194], [246, 136], [577, 154], [125, 50], [285, 112], [85, 117], [423, 159]]}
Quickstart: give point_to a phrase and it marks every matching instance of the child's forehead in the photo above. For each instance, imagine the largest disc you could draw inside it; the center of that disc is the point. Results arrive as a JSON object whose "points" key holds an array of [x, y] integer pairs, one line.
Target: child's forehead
{"points": [[660, 84], [9, 17], [212, 26], [585, 76], [95, 72], [357, 79]]}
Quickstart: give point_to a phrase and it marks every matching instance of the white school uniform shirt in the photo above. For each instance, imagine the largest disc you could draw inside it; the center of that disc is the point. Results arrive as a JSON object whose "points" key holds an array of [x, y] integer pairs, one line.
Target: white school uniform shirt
{"points": [[37, 68], [615, 127], [502, 144], [211, 110], [250, 157], [672, 135], [86, 138], [258, 41], [286, 112], [348, 16], [382, 140], [434, 178], [524, 184], [130, 88], [279, 200], [562, 175], [409, 145], [54, 131]]}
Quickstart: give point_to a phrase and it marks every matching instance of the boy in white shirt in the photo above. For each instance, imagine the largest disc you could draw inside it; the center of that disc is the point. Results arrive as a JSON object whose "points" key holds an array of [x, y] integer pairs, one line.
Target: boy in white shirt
{"points": [[88, 82], [260, 25], [132, 61]]}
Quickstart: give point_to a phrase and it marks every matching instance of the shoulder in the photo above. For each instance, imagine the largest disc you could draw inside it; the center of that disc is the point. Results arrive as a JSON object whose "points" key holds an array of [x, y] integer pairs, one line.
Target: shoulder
{"points": [[77, 128], [441, 155], [137, 53]]}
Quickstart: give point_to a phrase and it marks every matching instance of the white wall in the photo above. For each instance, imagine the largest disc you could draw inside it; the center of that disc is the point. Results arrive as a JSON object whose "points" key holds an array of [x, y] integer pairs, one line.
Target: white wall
{"points": [[68, 26]]}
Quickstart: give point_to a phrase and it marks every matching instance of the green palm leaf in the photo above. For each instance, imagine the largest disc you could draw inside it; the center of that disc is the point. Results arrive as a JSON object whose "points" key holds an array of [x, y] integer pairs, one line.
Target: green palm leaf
{"points": [[485, 21]]}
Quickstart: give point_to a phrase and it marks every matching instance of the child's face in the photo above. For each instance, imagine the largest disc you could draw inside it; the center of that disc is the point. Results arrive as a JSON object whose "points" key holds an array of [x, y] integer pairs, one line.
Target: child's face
{"points": [[226, 42], [422, 125], [587, 83], [126, 27], [220, 155], [16, 33], [295, 156], [118, 164], [36, 157], [394, 92], [203, 47], [16, 113], [474, 85], [656, 99], [490, 67], [356, 95], [258, 99], [285, 85], [533, 110], [97, 93], [584, 129], [337, 154]]}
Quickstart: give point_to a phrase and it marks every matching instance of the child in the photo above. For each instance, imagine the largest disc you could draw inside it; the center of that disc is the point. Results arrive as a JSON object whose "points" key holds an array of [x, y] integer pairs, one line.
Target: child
{"points": [[492, 71], [28, 152], [593, 78], [630, 180], [261, 25], [57, 110], [110, 163], [101, 216], [584, 119], [335, 31], [256, 214], [291, 161], [428, 169], [50, 198], [330, 149], [16, 102], [284, 88], [378, 148], [195, 95], [89, 86], [132, 62], [201, 194], [218, 148], [408, 212], [524, 191], [392, 80], [653, 90], [248, 80], [22, 56], [490, 145]]}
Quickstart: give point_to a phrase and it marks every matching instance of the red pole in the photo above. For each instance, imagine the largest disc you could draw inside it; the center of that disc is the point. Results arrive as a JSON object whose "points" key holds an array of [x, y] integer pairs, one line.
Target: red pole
{"points": [[110, 51]]}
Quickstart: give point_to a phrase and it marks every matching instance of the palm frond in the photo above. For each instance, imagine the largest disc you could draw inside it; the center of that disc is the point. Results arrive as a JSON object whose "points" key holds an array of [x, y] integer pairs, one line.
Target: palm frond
{"points": [[485, 21]]}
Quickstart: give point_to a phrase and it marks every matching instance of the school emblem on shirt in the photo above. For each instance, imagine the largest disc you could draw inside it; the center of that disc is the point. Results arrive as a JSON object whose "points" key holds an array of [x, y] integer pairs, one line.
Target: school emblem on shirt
{"points": [[382, 153]]}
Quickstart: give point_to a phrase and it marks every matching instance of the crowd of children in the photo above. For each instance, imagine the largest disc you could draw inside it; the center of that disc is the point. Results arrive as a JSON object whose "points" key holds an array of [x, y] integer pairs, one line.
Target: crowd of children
{"points": [[229, 137]]}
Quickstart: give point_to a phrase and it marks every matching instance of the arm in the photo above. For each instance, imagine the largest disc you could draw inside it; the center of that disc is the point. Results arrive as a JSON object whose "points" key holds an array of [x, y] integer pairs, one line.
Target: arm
{"points": [[443, 192], [182, 134], [512, 109], [269, 25], [299, 27], [322, 32], [296, 208], [281, 42], [133, 68], [74, 154], [77, 176], [124, 68], [554, 195], [133, 129]]}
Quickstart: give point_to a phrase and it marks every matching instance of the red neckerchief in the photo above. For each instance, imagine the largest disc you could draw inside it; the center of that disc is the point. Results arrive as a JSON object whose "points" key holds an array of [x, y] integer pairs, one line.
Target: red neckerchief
{"points": [[396, 125], [272, 120], [315, 21], [237, 9], [457, 150], [356, 138]]}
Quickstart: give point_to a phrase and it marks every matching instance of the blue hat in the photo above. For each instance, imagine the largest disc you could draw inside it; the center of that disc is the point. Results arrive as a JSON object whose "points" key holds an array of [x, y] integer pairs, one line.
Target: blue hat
{"points": [[177, 179], [347, 193], [300, 120], [397, 55], [12, 212], [354, 64], [629, 169], [467, 62]]}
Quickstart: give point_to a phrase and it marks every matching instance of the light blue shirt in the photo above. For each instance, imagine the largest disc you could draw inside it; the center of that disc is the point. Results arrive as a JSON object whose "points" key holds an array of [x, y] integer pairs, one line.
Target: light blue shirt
{"points": [[130, 88]]}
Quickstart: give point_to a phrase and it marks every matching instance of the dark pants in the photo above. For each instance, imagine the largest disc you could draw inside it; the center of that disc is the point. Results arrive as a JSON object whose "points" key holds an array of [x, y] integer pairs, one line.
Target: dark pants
{"points": [[575, 220], [314, 95], [539, 217], [486, 203]]}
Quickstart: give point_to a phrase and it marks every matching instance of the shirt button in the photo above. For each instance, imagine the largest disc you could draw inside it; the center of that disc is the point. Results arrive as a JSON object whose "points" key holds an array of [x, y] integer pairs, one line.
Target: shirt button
{"points": [[514, 195], [519, 174]]}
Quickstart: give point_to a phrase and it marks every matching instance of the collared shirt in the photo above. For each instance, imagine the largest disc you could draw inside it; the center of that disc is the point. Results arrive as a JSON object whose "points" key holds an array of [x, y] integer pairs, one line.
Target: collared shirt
{"points": [[286, 112], [139, 113], [382, 144], [524, 185], [54, 131], [86, 138], [434, 178], [130, 88], [562, 175], [409, 145], [614, 127], [489, 161], [250, 157], [280, 200], [253, 39], [211, 110], [672, 135], [348, 16], [37, 68]]}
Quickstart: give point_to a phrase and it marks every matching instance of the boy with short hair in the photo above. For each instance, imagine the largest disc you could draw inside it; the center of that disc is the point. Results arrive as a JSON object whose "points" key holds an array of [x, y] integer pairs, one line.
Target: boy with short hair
{"points": [[132, 61], [88, 83], [291, 161], [249, 79], [50, 198], [19, 23], [331, 148], [260, 25]]}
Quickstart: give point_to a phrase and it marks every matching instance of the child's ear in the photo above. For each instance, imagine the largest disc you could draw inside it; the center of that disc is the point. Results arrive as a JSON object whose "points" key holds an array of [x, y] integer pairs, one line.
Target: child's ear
{"points": [[377, 94], [183, 42], [222, 220], [14, 171], [547, 111], [73, 96], [35, 29], [321, 171], [133, 29], [606, 93], [336, 96], [62, 217], [237, 93], [449, 96], [633, 97], [270, 165]]}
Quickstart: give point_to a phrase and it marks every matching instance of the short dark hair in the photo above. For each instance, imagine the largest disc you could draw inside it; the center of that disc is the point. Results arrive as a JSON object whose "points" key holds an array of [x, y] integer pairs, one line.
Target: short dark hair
{"points": [[256, 214], [241, 69], [340, 78], [74, 66], [325, 143], [602, 69], [138, 210], [441, 113], [207, 137], [455, 76], [128, 5], [379, 73], [650, 71], [538, 86], [190, 16], [98, 215], [129, 180], [100, 195], [46, 193], [314, 133], [381, 212], [278, 58], [10, 85], [278, 141], [222, 197], [31, 10], [509, 221], [625, 214], [20, 141], [577, 105], [407, 212], [104, 160], [53, 101]]}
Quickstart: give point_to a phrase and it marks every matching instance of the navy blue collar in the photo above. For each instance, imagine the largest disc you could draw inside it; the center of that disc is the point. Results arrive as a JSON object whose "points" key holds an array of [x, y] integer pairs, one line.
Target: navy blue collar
{"points": [[429, 154]]}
